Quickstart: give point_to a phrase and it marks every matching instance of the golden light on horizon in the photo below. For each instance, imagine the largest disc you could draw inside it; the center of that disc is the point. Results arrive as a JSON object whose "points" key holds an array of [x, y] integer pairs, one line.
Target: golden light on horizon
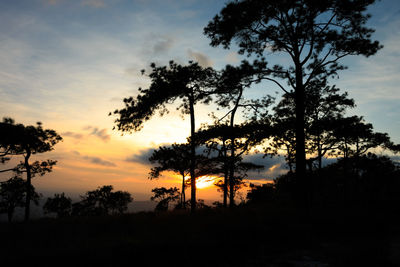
{"points": [[205, 181]]}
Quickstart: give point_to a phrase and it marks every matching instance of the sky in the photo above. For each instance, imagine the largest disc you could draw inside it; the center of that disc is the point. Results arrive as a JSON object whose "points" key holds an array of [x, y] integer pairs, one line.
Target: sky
{"points": [[68, 63]]}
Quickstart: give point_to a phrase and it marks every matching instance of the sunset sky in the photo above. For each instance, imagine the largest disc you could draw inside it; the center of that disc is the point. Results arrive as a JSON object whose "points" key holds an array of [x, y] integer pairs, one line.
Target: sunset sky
{"points": [[68, 63]]}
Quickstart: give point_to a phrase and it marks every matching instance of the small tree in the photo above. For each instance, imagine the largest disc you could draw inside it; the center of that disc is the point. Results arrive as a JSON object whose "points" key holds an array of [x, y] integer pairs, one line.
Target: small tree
{"points": [[175, 158], [164, 196], [59, 204], [13, 195], [228, 162], [356, 137], [101, 202], [259, 194], [27, 141]]}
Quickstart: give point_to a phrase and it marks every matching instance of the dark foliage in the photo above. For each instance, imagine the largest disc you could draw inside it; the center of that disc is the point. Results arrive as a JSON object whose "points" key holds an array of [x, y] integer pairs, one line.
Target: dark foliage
{"points": [[314, 35], [368, 184], [13, 195], [59, 204], [191, 83], [164, 197], [102, 201], [27, 141]]}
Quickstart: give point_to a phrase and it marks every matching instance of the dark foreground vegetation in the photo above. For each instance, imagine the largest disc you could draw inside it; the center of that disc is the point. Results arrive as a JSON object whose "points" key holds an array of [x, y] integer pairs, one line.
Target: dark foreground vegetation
{"points": [[259, 235], [343, 214], [353, 221]]}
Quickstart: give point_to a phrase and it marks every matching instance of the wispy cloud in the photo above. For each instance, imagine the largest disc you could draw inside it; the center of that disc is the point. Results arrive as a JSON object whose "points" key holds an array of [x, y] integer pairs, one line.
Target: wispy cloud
{"points": [[99, 161], [51, 2], [94, 3], [73, 135], [94, 159], [162, 44], [273, 166], [141, 156], [201, 58], [232, 57], [100, 133]]}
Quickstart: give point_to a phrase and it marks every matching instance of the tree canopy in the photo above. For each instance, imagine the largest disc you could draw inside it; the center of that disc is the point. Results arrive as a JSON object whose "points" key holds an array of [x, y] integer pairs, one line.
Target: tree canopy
{"points": [[314, 35], [190, 83]]}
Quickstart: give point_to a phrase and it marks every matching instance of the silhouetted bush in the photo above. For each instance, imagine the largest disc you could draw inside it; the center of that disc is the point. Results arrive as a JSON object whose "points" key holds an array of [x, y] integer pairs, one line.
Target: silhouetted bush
{"points": [[102, 202], [59, 204], [13, 195]]}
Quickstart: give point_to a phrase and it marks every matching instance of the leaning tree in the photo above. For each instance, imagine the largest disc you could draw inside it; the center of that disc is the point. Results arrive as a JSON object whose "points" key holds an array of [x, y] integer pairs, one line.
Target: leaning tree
{"points": [[314, 35], [190, 83]]}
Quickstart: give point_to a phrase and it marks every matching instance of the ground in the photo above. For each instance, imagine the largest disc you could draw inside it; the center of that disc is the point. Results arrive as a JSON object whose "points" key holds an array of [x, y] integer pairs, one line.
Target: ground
{"points": [[247, 236]]}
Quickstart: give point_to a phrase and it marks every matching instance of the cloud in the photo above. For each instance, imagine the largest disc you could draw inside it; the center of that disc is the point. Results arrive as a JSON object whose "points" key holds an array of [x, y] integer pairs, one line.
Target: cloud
{"points": [[99, 161], [94, 160], [141, 157], [163, 44], [201, 58], [52, 2], [232, 57], [94, 3], [102, 134], [72, 134], [273, 166]]}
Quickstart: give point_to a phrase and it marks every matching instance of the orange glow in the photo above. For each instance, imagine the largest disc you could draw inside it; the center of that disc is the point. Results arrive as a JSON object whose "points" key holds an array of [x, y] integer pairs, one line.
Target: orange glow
{"points": [[205, 181]]}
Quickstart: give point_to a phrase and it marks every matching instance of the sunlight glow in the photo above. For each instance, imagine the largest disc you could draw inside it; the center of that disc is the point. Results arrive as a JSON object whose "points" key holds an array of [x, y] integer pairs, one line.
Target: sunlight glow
{"points": [[205, 181]]}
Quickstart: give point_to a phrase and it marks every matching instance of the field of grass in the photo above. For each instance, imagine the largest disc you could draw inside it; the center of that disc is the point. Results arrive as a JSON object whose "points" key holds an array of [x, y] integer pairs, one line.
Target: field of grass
{"points": [[247, 236]]}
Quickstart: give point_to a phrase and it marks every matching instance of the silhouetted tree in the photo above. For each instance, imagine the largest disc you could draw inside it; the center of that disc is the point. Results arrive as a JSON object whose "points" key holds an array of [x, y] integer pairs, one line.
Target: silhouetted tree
{"points": [[101, 202], [59, 204], [164, 196], [356, 137], [13, 195], [176, 158], [324, 110], [264, 193], [218, 138], [10, 136], [191, 84], [229, 92], [314, 34], [30, 140]]}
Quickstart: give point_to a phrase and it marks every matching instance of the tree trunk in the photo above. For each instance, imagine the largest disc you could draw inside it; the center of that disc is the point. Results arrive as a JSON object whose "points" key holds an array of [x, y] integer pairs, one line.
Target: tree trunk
{"points": [[28, 186], [193, 156], [302, 182], [231, 178], [226, 173], [183, 196], [232, 156], [319, 153]]}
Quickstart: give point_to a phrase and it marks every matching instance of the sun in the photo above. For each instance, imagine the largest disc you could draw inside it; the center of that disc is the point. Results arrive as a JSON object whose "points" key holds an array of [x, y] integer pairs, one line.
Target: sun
{"points": [[205, 181]]}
